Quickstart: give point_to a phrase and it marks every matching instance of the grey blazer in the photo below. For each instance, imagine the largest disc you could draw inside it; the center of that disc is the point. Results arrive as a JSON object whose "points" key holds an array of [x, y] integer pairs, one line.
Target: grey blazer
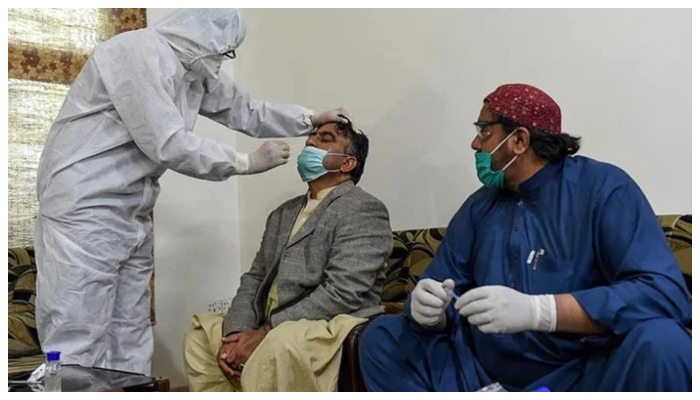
{"points": [[333, 265]]}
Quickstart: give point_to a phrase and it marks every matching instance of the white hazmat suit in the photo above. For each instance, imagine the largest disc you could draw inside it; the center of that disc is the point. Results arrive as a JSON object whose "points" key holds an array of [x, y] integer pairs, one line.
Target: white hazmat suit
{"points": [[128, 117]]}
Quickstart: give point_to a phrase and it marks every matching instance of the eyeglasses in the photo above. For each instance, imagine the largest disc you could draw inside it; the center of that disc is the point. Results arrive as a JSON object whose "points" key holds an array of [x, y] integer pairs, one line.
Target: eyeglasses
{"points": [[231, 54], [482, 128]]}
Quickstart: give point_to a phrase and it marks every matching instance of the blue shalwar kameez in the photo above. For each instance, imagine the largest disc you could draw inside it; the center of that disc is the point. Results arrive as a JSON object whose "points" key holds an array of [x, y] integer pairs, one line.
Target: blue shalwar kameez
{"points": [[578, 226]]}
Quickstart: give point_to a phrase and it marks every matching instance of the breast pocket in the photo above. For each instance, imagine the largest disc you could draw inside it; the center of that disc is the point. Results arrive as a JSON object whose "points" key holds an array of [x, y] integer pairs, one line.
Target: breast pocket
{"points": [[549, 275]]}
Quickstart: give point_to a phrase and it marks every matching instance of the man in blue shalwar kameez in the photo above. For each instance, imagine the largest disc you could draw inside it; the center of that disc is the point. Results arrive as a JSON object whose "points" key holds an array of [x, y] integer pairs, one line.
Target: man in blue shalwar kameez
{"points": [[555, 273]]}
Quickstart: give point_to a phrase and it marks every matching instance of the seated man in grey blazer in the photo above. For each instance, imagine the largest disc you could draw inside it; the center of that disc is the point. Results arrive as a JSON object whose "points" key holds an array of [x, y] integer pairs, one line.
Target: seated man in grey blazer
{"points": [[318, 273]]}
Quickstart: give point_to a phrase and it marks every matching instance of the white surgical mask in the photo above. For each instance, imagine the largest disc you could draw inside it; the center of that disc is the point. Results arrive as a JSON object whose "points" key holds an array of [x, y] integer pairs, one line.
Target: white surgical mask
{"points": [[207, 67]]}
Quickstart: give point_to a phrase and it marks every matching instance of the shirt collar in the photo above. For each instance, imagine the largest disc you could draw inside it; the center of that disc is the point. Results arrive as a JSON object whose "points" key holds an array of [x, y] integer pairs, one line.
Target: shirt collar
{"points": [[531, 186]]}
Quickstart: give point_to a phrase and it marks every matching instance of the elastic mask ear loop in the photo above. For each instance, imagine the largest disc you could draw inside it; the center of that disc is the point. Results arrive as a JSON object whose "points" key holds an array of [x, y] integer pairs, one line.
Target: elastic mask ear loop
{"points": [[502, 141], [510, 162], [501, 144], [336, 154]]}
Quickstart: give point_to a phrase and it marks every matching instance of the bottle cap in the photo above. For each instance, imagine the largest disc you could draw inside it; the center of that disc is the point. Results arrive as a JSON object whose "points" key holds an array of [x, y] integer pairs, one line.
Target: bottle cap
{"points": [[53, 356]]}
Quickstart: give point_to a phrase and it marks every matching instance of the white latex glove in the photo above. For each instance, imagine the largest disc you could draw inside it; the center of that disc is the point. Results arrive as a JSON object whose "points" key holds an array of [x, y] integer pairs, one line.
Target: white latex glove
{"points": [[337, 115], [429, 300], [271, 154], [500, 309]]}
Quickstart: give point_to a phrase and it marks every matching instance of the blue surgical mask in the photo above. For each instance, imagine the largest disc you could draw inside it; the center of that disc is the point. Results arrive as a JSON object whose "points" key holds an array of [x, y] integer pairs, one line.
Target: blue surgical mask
{"points": [[488, 176], [310, 163]]}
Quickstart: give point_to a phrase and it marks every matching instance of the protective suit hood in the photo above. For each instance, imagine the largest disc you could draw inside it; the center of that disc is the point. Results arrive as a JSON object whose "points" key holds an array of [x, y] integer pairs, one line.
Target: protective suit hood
{"points": [[194, 33]]}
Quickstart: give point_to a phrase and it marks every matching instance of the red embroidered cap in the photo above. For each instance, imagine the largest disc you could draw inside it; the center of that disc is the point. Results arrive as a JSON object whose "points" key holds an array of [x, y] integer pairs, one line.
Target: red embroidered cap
{"points": [[526, 105]]}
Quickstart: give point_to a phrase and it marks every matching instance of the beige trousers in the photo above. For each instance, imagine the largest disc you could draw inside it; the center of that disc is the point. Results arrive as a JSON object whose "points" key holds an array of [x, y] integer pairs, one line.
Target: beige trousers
{"points": [[300, 356]]}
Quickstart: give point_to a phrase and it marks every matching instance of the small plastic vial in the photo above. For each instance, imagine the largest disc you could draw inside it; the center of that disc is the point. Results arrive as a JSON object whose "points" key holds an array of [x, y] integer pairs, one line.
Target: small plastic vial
{"points": [[52, 376]]}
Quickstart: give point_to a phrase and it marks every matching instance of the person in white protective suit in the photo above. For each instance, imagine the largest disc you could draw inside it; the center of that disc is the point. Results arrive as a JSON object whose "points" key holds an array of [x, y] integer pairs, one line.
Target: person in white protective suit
{"points": [[128, 118]]}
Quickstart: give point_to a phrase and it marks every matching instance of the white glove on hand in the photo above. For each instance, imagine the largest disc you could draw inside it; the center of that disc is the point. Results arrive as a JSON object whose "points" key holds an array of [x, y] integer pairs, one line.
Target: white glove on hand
{"points": [[429, 300], [271, 154], [338, 115], [500, 309]]}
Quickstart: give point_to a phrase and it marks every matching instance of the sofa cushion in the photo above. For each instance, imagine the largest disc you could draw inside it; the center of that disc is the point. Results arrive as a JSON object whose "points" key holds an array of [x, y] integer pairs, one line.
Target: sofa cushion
{"points": [[22, 339], [413, 251], [679, 231]]}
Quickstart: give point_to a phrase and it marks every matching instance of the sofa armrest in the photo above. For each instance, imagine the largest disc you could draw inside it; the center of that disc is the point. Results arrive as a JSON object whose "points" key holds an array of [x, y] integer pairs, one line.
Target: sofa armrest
{"points": [[350, 378]]}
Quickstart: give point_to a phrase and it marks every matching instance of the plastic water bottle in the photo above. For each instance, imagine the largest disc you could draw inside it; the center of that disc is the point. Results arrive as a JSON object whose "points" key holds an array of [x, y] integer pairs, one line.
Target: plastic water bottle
{"points": [[52, 377]]}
